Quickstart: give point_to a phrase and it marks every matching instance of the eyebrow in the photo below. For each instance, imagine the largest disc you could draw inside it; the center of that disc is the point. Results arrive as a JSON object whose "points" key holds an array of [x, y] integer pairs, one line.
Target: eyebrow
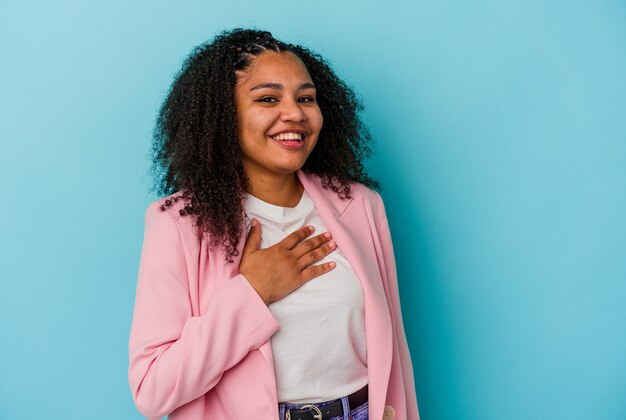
{"points": [[307, 85]]}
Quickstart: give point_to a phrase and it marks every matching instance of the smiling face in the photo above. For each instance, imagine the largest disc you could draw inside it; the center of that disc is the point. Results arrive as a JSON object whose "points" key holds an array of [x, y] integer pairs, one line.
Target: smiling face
{"points": [[279, 120]]}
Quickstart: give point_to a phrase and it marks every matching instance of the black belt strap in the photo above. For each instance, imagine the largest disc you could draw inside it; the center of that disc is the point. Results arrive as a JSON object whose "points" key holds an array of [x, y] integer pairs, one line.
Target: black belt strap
{"points": [[333, 409]]}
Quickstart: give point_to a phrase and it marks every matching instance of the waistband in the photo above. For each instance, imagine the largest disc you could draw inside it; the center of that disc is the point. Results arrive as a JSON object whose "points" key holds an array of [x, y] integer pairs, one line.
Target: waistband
{"points": [[324, 410]]}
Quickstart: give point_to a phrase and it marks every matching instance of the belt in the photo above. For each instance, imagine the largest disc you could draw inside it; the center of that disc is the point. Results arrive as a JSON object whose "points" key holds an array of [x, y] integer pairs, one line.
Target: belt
{"points": [[327, 411]]}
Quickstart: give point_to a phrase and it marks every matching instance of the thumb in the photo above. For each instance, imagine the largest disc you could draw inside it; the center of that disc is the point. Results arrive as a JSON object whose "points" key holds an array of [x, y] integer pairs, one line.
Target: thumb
{"points": [[253, 241]]}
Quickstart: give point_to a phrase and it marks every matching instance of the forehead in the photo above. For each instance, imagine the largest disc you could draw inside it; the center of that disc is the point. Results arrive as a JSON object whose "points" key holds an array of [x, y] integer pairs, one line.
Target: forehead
{"points": [[274, 67]]}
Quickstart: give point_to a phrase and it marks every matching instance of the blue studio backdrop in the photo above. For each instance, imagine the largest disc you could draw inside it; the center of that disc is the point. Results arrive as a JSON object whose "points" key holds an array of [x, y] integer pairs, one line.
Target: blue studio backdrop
{"points": [[500, 131]]}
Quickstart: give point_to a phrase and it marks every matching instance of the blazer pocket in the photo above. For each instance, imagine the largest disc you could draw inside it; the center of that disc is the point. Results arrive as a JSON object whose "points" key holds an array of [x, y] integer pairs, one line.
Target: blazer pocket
{"points": [[389, 413]]}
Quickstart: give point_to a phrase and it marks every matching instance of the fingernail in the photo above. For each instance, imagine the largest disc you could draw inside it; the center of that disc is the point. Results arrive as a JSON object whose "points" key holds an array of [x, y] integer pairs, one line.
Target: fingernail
{"points": [[332, 264], [254, 223], [310, 228], [332, 244], [327, 235]]}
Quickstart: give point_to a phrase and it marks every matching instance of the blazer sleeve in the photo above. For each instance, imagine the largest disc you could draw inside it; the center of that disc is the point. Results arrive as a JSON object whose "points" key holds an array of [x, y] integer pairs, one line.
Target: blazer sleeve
{"points": [[175, 357], [391, 286]]}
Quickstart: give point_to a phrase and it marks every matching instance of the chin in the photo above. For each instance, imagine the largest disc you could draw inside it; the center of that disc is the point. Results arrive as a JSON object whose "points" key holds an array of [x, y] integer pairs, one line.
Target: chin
{"points": [[289, 170], [289, 167]]}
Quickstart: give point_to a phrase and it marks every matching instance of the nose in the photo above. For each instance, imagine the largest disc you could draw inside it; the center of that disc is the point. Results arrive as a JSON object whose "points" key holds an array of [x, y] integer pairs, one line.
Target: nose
{"points": [[292, 111]]}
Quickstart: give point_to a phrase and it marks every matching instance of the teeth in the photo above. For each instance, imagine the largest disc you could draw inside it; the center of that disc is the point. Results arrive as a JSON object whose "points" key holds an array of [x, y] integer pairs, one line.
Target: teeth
{"points": [[288, 136]]}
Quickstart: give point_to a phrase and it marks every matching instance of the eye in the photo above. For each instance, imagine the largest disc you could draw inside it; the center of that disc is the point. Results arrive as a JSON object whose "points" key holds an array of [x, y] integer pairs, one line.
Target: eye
{"points": [[306, 99], [268, 100]]}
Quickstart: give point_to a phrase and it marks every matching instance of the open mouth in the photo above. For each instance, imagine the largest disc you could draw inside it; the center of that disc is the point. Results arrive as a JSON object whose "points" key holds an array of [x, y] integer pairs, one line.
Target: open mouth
{"points": [[289, 137]]}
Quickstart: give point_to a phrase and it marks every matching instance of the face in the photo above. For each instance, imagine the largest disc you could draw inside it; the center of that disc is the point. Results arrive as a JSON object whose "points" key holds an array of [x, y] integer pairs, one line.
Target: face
{"points": [[278, 116]]}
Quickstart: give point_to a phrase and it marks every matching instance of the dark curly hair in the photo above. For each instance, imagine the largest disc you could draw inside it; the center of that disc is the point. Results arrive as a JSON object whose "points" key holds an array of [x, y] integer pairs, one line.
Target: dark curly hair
{"points": [[195, 149]]}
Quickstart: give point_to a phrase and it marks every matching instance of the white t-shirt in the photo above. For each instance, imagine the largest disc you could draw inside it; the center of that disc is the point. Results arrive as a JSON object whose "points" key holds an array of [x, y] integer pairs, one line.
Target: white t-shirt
{"points": [[319, 351]]}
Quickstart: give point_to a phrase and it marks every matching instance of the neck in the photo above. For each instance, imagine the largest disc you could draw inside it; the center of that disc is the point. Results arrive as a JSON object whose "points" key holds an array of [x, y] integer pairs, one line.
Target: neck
{"points": [[284, 191]]}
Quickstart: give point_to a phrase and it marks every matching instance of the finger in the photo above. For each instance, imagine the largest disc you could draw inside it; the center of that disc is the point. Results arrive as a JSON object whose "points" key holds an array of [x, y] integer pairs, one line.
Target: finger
{"points": [[296, 237], [316, 271], [253, 241], [316, 255], [310, 244]]}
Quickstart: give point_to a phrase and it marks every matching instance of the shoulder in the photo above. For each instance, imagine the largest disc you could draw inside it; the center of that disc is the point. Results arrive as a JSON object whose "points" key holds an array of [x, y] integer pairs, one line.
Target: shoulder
{"points": [[372, 201], [359, 193], [167, 210], [368, 194], [357, 190], [370, 197], [168, 228]]}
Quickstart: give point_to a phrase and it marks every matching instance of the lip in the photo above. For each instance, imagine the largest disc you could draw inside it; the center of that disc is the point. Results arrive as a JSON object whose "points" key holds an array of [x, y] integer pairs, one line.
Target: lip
{"points": [[290, 145]]}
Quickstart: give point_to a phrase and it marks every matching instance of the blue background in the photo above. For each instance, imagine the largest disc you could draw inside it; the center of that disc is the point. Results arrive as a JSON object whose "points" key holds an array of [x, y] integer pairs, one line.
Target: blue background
{"points": [[501, 139]]}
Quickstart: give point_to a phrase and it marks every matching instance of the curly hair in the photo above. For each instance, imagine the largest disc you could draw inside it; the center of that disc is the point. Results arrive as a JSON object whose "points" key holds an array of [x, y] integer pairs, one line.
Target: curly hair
{"points": [[195, 148]]}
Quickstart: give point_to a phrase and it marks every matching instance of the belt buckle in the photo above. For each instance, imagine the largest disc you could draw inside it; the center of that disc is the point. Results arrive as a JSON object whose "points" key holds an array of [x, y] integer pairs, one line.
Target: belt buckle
{"points": [[317, 414]]}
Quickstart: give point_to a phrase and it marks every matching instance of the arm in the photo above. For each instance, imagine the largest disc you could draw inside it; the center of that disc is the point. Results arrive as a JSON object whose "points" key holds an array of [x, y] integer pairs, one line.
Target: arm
{"points": [[390, 277], [175, 357]]}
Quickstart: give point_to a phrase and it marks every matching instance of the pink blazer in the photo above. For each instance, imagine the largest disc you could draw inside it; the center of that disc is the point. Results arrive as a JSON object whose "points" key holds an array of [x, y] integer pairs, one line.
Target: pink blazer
{"points": [[200, 339]]}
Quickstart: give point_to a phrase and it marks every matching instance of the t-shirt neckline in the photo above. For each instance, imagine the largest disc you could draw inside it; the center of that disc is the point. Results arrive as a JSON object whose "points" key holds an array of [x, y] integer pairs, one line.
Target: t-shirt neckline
{"points": [[255, 205]]}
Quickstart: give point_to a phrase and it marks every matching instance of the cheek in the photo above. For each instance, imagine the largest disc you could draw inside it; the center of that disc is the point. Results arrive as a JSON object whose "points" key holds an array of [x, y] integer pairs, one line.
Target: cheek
{"points": [[257, 122], [317, 118], [250, 125]]}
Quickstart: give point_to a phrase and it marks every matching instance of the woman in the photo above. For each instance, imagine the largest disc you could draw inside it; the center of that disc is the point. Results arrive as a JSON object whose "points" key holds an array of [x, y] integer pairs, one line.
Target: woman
{"points": [[267, 284]]}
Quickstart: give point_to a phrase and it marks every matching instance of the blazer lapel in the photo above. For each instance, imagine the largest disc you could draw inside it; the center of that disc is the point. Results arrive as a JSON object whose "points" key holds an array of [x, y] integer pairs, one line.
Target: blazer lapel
{"points": [[230, 271], [347, 220]]}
